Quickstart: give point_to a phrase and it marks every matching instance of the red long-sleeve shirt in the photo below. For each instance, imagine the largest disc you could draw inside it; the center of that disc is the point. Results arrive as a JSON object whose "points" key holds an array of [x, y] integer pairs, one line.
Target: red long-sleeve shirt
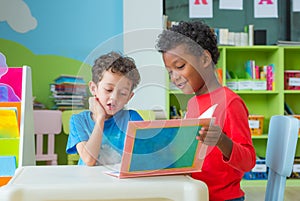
{"points": [[223, 176]]}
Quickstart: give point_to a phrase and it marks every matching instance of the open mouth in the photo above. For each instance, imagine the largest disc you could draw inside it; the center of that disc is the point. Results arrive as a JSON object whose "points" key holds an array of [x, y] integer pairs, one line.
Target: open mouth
{"points": [[181, 85], [111, 107]]}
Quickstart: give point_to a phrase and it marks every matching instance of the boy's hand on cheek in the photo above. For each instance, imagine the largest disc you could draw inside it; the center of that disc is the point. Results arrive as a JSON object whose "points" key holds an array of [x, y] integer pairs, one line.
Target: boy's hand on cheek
{"points": [[96, 108]]}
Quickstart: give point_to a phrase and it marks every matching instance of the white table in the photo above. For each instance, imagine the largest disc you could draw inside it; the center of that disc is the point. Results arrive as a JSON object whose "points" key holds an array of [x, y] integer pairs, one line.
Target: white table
{"points": [[59, 183]]}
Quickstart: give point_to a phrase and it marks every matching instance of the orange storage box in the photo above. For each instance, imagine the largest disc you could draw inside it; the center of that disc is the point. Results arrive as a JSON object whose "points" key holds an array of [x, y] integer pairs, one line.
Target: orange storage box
{"points": [[256, 124]]}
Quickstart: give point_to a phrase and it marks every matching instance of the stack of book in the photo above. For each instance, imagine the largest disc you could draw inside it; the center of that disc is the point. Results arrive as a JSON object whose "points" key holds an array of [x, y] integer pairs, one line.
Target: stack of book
{"points": [[69, 92], [226, 37]]}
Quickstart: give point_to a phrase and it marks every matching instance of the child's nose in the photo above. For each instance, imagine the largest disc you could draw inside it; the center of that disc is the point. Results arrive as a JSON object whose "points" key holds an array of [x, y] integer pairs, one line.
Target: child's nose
{"points": [[175, 75], [113, 95]]}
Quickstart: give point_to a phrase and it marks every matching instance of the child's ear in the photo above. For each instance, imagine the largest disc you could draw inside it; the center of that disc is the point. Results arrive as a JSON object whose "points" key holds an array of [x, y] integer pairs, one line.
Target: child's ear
{"points": [[130, 96], [92, 87], [206, 58]]}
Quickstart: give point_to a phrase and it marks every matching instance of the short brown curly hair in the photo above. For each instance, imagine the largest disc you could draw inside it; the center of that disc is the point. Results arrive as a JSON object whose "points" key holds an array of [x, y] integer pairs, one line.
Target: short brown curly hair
{"points": [[116, 63]]}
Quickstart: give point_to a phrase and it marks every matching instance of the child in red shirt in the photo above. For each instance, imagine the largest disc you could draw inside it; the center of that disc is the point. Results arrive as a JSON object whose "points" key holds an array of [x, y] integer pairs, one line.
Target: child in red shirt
{"points": [[190, 53]]}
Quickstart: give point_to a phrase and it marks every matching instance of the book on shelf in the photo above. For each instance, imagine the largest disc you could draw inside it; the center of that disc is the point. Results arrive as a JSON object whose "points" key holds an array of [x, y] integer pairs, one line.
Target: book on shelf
{"points": [[222, 35], [67, 88], [69, 104], [270, 77], [67, 96], [254, 77], [288, 43], [68, 107], [69, 92], [250, 34], [69, 79], [38, 105]]}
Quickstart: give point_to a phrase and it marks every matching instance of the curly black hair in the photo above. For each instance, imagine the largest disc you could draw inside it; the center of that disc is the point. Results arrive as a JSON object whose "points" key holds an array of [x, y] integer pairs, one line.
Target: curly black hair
{"points": [[196, 35], [116, 63]]}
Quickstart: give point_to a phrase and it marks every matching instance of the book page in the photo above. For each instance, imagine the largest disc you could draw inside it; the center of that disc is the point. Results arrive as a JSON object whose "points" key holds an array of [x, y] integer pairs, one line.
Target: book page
{"points": [[207, 114]]}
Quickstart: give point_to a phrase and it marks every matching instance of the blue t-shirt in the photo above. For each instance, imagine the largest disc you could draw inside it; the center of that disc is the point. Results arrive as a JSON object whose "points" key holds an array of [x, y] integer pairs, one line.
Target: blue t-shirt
{"points": [[82, 125]]}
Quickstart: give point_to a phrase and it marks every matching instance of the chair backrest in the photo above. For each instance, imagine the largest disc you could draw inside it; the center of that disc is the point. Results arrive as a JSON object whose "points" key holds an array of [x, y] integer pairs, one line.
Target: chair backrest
{"points": [[47, 121], [66, 115], [281, 147]]}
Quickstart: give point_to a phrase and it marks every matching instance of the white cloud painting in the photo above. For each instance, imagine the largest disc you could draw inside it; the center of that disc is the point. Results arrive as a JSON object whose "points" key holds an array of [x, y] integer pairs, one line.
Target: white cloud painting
{"points": [[17, 15]]}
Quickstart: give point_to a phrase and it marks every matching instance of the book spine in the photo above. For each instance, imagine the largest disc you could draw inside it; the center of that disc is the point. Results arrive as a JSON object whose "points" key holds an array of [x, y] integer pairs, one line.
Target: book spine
{"points": [[217, 33], [257, 73], [223, 36], [248, 68], [244, 39], [253, 69], [270, 75], [251, 34]]}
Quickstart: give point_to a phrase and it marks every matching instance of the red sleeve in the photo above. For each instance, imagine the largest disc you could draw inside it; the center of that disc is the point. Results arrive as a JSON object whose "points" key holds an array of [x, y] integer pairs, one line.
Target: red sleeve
{"points": [[243, 156]]}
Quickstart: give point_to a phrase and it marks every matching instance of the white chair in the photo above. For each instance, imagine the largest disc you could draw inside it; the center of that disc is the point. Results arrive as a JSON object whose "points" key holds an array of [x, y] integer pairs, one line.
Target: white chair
{"points": [[281, 147], [46, 123]]}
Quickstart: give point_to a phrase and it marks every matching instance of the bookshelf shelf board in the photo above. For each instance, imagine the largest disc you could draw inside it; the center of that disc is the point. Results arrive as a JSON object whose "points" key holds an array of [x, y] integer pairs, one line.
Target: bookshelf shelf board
{"points": [[251, 48], [240, 92], [263, 136], [292, 91], [176, 92], [256, 92], [296, 47]]}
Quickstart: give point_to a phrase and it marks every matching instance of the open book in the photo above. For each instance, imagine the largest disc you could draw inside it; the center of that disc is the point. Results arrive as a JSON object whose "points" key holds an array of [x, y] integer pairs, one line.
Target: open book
{"points": [[161, 147]]}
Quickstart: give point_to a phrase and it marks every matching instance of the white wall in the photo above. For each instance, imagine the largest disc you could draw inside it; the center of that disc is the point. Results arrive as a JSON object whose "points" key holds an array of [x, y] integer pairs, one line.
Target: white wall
{"points": [[142, 24]]}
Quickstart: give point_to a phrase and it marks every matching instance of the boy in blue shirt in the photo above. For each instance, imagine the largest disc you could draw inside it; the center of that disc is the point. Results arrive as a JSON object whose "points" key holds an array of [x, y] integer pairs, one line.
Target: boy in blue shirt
{"points": [[97, 134]]}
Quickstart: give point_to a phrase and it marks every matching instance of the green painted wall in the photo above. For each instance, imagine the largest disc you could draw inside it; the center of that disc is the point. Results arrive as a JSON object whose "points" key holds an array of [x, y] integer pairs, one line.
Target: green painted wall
{"points": [[45, 69]]}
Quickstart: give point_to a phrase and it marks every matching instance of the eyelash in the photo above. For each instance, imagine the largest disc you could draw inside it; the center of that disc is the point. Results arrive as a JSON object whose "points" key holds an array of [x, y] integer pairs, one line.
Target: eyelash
{"points": [[110, 90], [180, 67]]}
